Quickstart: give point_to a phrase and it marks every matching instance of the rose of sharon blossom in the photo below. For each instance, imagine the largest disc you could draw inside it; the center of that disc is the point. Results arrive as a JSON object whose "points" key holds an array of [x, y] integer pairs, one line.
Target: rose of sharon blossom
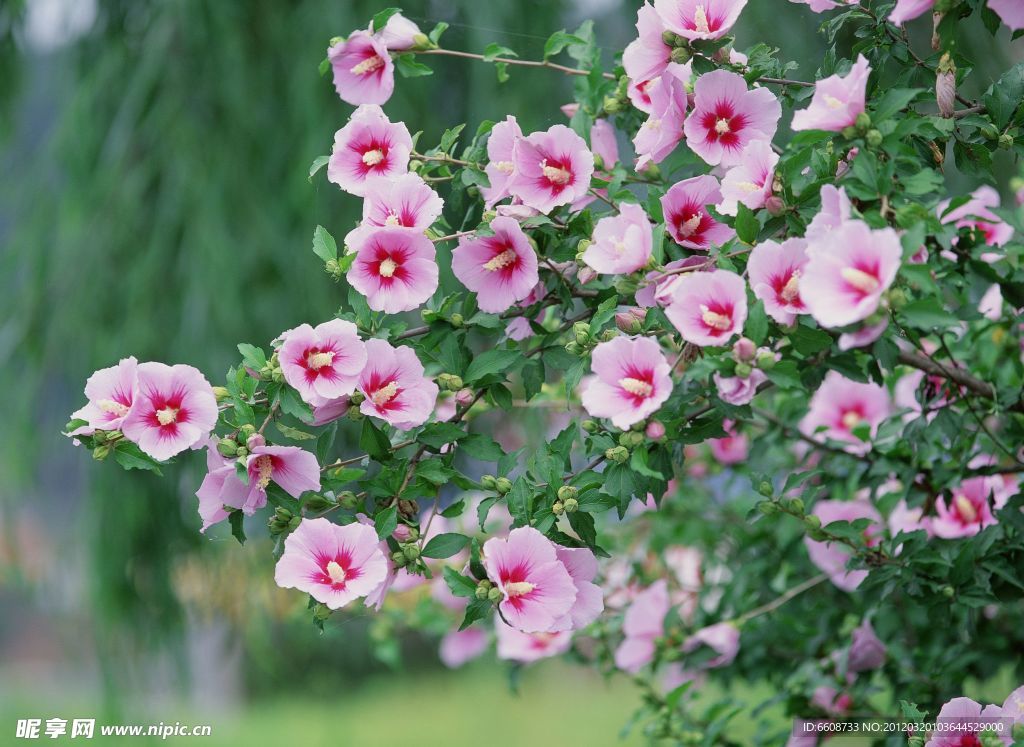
{"points": [[708, 308], [774, 270], [110, 392], [322, 363], [394, 386], [621, 243], [739, 390], [750, 182], [406, 201], [363, 70], [1013, 706], [848, 272], [840, 406], [333, 564], [723, 638], [1010, 11], [960, 720], [642, 626], [582, 567], [663, 128], [976, 214], [699, 19], [831, 557], [837, 100], [820, 6], [727, 116], [501, 159], [552, 168], [172, 410], [647, 56], [731, 448], [685, 207], [835, 211], [631, 381], [399, 33], [908, 10], [966, 512], [501, 269], [370, 145], [537, 589], [395, 268], [515, 645], [461, 646], [866, 651]]}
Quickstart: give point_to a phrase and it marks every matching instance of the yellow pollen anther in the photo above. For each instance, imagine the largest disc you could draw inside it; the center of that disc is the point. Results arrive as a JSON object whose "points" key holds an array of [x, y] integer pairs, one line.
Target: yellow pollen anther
{"points": [[966, 509], [619, 246], [792, 287], [167, 415], [316, 361], [336, 572], [833, 103], [392, 220], [264, 466], [748, 187], [505, 167], [554, 174], [388, 267], [373, 157], [385, 394], [722, 126], [500, 260], [713, 319], [518, 588], [859, 279], [114, 408], [690, 225], [368, 65], [636, 386], [850, 420], [700, 20]]}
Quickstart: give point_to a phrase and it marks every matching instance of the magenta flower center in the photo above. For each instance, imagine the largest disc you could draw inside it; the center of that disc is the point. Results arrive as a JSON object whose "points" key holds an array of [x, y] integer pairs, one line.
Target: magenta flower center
{"points": [[720, 320], [850, 419], [500, 261], [373, 157], [369, 65], [336, 573], [167, 415], [112, 407], [863, 281], [723, 124], [556, 172], [702, 23], [519, 588], [965, 509], [790, 292], [317, 359], [384, 394], [636, 387]]}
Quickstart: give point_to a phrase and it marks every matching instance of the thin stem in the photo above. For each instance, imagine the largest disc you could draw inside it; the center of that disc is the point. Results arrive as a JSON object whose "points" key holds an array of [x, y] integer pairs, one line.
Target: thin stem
{"points": [[773, 605], [513, 61]]}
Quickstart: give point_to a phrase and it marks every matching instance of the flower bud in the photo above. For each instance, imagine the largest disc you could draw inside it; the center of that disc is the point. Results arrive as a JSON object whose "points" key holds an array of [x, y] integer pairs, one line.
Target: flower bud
{"points": [[669, 38], [464, 396], [945, 86], [455, 383], [581, 330], [743, 370], [347, 499], [681, 55], [812, 522], [241, 452], [502, 485], [612, 105], [333, 268], [317, 502], [1006, 141], [850, 132], [631, 321], [573, 348], [863, 121], [402, 533], [356, 398], [775, 206], [767, 507], [255, 441], [494, 595], [874, 138], [608, 335], [990, 132], [422, 41], [796, 506], [590, 426], [456, 320], [227, 447], [744, 350], [221, 393], [626, 286], [354, 413], [617, 454], [399, 560], [321, 611], [482, 592], [411, 551], [557, 508], [766, 360], [294, 522], [583, 245], [567, 491], [766, 489], [101, 452], [488, 482], [948, 591], [571, 506], [655, 430], [245, 431]]}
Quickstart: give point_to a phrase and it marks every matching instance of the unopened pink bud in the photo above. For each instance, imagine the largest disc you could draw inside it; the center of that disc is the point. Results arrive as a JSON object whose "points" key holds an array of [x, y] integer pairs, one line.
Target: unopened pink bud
{"points": [[744, 350], [655, 430], [631, 321], [585, 275], [402, 533], [775, 206], [464, 396], [254, 441]]}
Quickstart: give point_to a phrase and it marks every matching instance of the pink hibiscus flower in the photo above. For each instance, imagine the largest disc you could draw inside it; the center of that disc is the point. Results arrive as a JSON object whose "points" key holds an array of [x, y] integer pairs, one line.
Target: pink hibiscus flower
{"points": [[1011, 11], [663, 128], [647, 56], [322, 363], [394, 386], [774, 270], [699, 19], [831, 557], [110, 392], [515, 645], [642, 627], [333, 564], [369, 145], [967, 512], [395, 268], [538, 590], [501, 269], [501, 159], [363, 70], [732, 448], [687, 219], [459, 647], [976, 214], [552, 168], [631, 381], [173, 409], [820, 6], [835, 211], [908, 10], [582, 567], [739, 390], [866, 651], [621, 243], [727, 116], [840, 406], [723, 638], [837, 100], [750, 183], [959, 720], [708, 308], [848, 272], [405, 201], [399, 33]]}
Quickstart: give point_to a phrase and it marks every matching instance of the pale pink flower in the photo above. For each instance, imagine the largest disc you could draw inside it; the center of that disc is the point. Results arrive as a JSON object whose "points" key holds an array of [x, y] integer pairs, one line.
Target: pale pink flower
{"points": [[908, 10], [750, 182], [1010, 11], [406, 201], [604, 143], [110, 392], [837, 100], [663, 128], [840, 406], [399, 33], [902, 518], [959, 720], [866, 650], [820, 6], [461, 646], [538, 590], [333, 564], [967, 512], [831, 557], [699, 19], [976, 214], [642, 627], [727, 116], [631, 380], [501, 159], [394, 386], [552, 168], [640, 96], [322, 363], [1013, 706], [621, 243], [647, 56], [723, 638], [501, 269], [395, 268], [685, 207], [835, 211], [708, 308], [328, 410], [730, 449], [363, 70], [991, 304], [863, 336], [848, 272], [739, 390], [774, 271], [582, 567], [172, 410], [370, 145], [516, 645], [657, 289]]}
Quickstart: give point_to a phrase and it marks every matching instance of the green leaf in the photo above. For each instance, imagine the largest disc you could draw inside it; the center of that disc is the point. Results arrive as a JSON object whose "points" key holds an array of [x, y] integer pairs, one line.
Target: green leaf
{"points": [[445, 545], [1004, 97], [475, 610], [808, 341], [408, 67], [236, 519], [437, 435], [324, 245], [450, 137], [130, 456], [926, 313], [482, 447], [292, 404], [747, 225], [318, 163], [434, 471], [435, 33], [460, 586], [493, 50], [252, 356], [385, 521], [491, 362], [294, 433], [373, 441], [381, 18], [559, 41]]}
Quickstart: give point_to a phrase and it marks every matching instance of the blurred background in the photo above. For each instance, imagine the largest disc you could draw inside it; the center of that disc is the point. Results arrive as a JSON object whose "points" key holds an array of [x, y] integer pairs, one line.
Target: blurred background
{"points": [[156, 203]]}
